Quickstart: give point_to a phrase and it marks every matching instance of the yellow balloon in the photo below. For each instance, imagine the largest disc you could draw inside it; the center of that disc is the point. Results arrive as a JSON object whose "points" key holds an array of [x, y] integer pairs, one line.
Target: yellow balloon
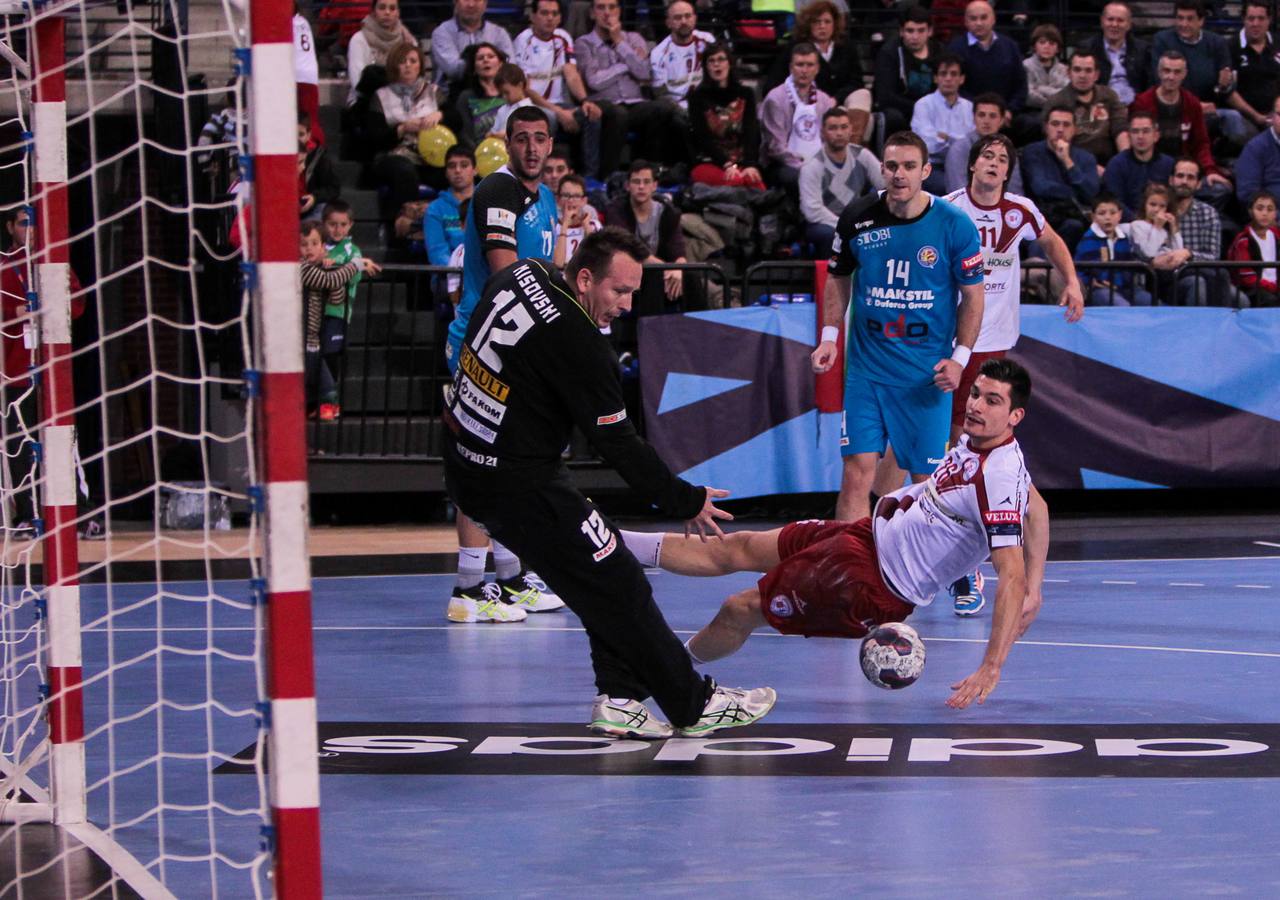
{"points": [[491, 155], [434, 143]]}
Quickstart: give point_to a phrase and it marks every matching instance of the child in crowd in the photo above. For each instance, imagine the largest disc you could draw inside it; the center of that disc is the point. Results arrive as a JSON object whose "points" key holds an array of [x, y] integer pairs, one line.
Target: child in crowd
{"points": [[1258, 242], [1046, 74], [513, 85], [324, 286], [1156, 239], [1107, 240], [340, 249], [577, 219]]}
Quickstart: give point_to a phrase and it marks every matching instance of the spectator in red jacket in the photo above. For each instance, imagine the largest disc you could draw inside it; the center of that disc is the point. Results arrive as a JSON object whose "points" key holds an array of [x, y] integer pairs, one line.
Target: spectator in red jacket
{"points": [[1258, 241], [1179, 117]]}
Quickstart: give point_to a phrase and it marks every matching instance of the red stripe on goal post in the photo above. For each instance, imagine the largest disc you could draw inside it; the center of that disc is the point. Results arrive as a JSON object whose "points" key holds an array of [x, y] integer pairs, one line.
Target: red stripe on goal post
{"points": [[282, 457]]}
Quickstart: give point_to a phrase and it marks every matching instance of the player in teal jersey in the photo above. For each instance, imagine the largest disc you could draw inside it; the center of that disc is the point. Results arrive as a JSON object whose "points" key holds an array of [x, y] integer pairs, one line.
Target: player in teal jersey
{"points": [[512, 216], [902, 255]]}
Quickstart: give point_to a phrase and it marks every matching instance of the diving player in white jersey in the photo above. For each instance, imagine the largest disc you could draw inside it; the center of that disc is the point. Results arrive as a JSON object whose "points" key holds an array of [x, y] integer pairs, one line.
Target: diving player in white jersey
{"points": [[838, 579], [1003, 221]]}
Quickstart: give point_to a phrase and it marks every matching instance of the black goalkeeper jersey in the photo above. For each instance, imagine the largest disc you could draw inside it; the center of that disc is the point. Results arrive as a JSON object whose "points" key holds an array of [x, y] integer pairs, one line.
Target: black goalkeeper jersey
{"points": [[533, 365]]}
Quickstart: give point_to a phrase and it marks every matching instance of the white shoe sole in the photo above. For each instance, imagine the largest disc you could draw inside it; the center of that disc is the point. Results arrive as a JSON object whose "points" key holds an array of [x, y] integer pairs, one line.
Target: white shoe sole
{"points": [[463, 614], [965, 613], [605, 729]]}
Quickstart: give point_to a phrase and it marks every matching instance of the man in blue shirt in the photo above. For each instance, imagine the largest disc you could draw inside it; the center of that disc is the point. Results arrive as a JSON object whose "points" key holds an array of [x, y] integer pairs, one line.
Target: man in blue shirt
{"points": [[902, 255], [1061, 178], [442, 226], [1209, 74], [1130, 171], [512, 216]]}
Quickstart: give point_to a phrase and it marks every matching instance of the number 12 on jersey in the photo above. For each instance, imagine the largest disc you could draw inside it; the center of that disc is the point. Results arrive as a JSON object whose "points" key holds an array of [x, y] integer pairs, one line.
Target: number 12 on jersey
{"points": [[899, 269]]}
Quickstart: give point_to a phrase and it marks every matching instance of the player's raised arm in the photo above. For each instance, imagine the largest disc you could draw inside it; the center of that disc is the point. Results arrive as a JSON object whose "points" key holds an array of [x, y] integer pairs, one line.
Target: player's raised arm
{"points": [[1004, 629], [1055, 248]]}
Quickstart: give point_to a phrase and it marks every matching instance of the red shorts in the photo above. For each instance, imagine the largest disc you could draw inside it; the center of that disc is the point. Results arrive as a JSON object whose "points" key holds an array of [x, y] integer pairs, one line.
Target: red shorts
{"points": [[828, 583], [967, 378]]}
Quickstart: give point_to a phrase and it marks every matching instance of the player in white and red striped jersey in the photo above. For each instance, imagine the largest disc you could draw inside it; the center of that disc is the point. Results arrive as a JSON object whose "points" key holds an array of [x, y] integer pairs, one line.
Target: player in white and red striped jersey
{"points": [[1003, 221], [839, 579]]}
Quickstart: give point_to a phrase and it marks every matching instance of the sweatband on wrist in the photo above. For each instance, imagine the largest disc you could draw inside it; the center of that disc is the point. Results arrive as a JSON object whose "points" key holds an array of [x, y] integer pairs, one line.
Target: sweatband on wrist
{"points": [[830, 333], [961, 355]]}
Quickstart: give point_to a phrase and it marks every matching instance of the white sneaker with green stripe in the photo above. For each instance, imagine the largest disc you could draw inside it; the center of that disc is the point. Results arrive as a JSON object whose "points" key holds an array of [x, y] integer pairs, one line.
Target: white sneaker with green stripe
{"points": [[482, 603], [529, 592], [626, 719], [731, 708]]}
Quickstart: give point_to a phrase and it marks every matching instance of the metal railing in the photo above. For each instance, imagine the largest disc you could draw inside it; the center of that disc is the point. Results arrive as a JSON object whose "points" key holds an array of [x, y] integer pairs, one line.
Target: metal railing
{"points": [[391, 370]]}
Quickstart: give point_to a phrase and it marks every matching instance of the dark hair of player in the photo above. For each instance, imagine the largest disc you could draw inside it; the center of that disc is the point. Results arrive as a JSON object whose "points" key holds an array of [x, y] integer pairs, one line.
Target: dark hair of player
{"points": [[983, 143], [339, 207], [597, 250], [1012, 374], [526, 114], [908, 139]]}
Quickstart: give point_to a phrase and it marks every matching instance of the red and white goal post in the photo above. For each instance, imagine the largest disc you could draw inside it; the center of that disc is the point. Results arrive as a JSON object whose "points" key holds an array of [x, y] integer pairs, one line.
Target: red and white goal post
{"points": [[159, 716]]}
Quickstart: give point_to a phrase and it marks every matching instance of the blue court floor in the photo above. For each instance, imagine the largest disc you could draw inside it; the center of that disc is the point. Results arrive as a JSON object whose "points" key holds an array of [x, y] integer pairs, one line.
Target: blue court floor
{"points": [[1164, 675]]}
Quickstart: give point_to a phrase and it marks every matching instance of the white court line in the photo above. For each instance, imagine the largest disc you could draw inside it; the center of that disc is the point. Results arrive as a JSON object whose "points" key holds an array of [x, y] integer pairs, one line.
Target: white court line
{"points": [[1267, 543], [762, 634], [1165, 558], [1058, 580], [1104, 581], [1265, 587]]}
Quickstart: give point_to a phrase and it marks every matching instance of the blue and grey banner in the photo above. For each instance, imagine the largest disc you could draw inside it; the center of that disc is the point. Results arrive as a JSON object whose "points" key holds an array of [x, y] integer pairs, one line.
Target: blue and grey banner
{"points": [[1126, 398]]}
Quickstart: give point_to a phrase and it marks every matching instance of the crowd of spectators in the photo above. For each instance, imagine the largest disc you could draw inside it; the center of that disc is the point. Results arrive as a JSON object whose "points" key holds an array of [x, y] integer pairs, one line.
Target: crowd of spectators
{"points": [[643, 118]]}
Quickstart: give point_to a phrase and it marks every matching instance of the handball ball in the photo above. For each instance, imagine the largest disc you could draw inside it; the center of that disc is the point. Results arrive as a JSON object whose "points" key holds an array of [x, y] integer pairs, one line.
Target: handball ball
{"points": [[491, 156], [434, 143], [892, 656]]}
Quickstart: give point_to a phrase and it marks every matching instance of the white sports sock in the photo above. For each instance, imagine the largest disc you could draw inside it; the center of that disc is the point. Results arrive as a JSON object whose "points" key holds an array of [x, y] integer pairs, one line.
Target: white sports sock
{"points": [[471, 566], [505, 563], [646, 546], [693, 656]]}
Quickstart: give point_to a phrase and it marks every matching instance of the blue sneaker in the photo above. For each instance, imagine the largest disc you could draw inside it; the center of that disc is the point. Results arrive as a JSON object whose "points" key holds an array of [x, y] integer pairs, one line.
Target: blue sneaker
{"points": [[967, 594]]}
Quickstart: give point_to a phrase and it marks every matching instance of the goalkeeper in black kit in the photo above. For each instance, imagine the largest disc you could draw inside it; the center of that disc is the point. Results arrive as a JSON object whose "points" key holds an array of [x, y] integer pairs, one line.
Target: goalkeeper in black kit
{"points": [[534, 364]]}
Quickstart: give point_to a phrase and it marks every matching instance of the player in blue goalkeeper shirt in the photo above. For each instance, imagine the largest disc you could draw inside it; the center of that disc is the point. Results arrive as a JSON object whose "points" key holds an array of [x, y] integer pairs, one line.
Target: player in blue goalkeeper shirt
{"points": [[512, 216], [903, 256]]}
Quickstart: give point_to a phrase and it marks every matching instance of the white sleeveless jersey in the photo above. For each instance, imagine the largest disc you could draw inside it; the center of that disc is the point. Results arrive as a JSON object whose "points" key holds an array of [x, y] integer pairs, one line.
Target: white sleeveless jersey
{"points": [[929, 534], [1001, 228]]}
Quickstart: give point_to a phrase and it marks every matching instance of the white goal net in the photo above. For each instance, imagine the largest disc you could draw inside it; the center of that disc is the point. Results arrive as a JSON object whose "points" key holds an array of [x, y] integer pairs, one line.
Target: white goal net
{"points": [[141, 696]]}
